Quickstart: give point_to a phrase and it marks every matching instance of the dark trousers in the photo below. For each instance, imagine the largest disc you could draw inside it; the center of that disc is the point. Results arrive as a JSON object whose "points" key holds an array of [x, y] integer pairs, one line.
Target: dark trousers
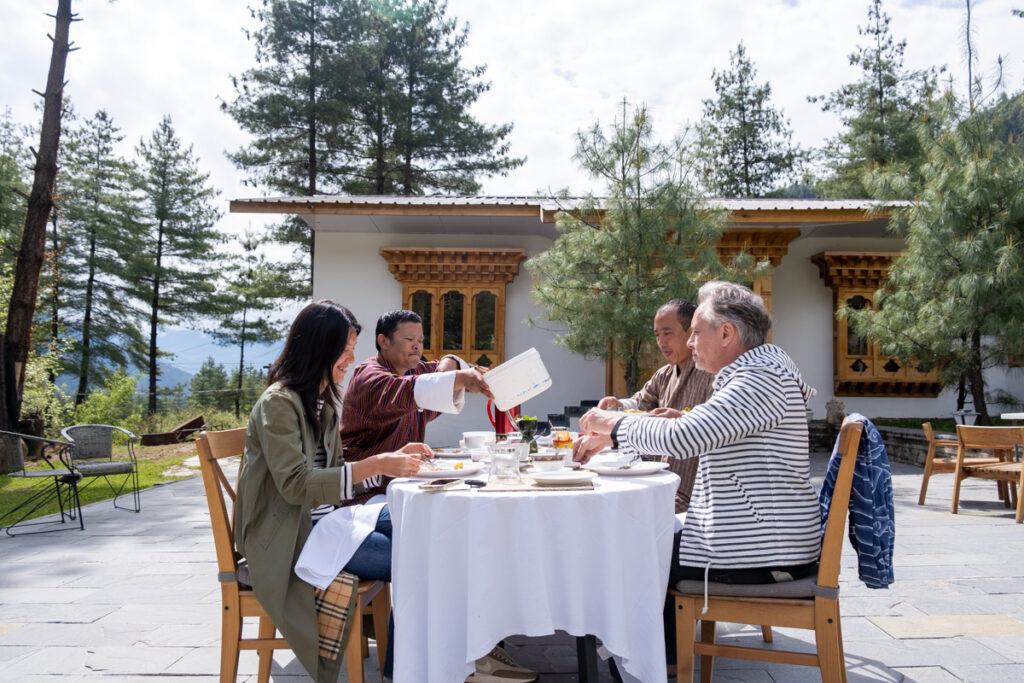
{"points": [[678, 573]]}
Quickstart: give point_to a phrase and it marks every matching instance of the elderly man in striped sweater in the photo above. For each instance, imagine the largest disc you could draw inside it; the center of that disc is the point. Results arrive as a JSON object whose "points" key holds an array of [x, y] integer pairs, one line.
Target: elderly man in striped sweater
{"points": [[754, 514]]}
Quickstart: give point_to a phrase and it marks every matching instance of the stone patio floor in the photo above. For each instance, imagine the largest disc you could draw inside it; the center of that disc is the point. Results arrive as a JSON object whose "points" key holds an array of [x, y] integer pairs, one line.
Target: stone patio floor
{"points": [[135, 598]]}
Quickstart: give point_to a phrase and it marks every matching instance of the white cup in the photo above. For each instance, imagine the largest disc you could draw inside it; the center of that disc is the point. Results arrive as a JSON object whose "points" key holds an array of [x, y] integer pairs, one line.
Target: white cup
{"points": [[474, 440]]}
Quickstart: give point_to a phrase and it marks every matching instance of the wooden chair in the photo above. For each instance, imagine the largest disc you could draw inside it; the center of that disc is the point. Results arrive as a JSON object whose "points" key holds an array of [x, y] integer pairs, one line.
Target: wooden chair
{"points": [[1000, 440], [933, 463], [238, 598], [811, 603]]}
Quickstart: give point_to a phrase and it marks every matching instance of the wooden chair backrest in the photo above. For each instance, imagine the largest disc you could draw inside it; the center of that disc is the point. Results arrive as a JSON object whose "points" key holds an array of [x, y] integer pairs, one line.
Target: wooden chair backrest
{"points": [[989, 438], [929, 433], [832, 543], [212, 447]]}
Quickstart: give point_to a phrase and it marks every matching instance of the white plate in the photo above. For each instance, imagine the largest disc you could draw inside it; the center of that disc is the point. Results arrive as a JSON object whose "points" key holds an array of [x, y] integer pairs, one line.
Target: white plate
{"points": [[446, 470], [562, 477], [452, 453], [638, 468]]}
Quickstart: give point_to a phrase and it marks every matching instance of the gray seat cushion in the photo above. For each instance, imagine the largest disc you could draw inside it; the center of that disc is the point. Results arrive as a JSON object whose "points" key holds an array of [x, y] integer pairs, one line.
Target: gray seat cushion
{"points": [[801, 588], [92, 469]]}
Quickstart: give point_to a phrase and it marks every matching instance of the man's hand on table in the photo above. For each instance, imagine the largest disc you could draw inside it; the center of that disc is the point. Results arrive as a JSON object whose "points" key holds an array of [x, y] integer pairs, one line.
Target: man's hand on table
{"points": [[666, 412], [404, 462], [586, 447], [609, 403]]}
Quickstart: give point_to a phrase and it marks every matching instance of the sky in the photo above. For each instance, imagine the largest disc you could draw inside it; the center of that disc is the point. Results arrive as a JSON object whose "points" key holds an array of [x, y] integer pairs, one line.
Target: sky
{"points": [[555, 67]]}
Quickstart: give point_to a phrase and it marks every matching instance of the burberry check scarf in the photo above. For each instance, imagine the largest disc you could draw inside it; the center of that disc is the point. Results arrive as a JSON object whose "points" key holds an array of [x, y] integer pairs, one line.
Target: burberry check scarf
{"points": [[334, 606]]}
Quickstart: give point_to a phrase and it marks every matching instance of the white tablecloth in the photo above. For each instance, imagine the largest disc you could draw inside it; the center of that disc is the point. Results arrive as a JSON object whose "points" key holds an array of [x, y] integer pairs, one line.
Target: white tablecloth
{"points": [[471, 568]]}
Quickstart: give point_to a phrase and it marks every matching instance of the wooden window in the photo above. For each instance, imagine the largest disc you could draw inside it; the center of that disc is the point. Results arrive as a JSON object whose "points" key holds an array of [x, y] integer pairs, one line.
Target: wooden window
{"points": [[460, 294], [859, 366]]}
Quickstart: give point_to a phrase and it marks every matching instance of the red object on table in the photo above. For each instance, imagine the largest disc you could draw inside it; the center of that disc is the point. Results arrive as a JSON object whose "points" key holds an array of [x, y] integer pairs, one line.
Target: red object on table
{"points": [[502, 420]]}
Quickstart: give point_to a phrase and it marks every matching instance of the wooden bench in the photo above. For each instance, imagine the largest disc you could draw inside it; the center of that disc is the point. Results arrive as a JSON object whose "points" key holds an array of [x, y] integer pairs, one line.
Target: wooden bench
{"points": [[176, 435]]}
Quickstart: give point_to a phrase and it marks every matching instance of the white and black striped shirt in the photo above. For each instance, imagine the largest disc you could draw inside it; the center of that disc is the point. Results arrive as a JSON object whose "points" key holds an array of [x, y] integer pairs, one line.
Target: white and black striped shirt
{"points": [[320, 462], [753, 503]]}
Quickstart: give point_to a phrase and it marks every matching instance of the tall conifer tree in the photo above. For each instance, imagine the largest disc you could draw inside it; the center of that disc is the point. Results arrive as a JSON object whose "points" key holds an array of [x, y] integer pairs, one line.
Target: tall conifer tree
{"points": [[878, 111], [176, 278], [746, 147], [105, 236]]}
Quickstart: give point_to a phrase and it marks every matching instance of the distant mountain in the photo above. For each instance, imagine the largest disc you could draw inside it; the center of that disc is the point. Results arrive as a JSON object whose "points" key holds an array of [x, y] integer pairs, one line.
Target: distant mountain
{"points": [[168, 378], [190, 350], [187, 351]]}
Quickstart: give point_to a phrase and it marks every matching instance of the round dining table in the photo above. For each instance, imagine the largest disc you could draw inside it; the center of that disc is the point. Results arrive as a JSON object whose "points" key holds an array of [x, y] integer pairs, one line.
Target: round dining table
{"points": [[471, 567]]}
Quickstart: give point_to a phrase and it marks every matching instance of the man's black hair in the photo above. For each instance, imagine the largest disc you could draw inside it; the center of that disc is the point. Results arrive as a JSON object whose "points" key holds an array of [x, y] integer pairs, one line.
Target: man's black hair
{"points": [[684, 310], [389, 322]]}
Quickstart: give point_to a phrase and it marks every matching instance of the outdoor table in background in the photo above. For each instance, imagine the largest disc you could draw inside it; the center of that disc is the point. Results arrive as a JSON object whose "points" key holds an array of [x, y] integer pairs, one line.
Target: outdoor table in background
{"points": [[1012, 416], [470, 568]]}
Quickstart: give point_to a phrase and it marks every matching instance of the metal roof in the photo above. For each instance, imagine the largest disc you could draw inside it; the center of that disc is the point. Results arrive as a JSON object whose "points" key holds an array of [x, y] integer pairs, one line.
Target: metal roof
{"points": [[555, 204]]}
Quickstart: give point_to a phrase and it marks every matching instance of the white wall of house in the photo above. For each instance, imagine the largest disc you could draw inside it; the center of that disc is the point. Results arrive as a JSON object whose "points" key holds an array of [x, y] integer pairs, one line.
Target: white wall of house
{"points": [[350, 270], [802, 313]]}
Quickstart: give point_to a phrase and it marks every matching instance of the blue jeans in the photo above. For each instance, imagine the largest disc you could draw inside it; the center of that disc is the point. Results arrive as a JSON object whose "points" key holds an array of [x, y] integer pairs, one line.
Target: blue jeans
{"points": [[372, 561]]}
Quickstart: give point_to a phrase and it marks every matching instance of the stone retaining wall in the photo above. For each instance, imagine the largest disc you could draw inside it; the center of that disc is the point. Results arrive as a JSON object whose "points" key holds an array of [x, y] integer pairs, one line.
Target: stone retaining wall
{"points": [[903, 445]]}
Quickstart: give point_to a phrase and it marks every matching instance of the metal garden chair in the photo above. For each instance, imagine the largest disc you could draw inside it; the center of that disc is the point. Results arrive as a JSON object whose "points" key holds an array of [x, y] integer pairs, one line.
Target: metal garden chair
{"points": [[52, 483], [92, 457]]}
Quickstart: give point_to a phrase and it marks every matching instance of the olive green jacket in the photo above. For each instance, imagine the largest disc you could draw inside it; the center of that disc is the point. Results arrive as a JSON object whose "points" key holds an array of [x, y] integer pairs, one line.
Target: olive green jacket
{"points": [[277, 488]]}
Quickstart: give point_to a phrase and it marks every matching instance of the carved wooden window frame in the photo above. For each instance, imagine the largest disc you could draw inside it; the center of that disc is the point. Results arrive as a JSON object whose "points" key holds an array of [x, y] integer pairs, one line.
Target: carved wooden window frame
{"points": [[470, 272], [851, 274]]}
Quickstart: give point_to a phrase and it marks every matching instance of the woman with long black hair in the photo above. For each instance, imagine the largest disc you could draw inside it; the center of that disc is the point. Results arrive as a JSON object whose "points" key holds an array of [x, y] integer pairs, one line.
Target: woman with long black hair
{"points": [[293, 469]]}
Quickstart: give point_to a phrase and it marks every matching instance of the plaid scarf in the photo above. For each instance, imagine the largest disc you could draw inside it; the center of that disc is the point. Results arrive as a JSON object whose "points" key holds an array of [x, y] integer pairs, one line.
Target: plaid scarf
{"points": [[334, 606]]}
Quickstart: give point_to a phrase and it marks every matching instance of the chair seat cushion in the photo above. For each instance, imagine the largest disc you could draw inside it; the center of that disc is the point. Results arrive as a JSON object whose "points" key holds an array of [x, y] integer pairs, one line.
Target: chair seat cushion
{"points": [[800, 588], [242, 574], [91, 469]]}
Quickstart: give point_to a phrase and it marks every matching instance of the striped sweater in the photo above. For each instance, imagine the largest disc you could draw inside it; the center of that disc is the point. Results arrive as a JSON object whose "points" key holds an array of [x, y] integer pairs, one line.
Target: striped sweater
{"points": [[753, 503]]}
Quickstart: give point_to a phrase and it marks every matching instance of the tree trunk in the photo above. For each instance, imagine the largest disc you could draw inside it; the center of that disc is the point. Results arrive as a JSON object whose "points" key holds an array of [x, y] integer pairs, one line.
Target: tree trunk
{"points": [[154, 319], [54, 295], [976, 377], [22, 306], [83, 368], [241, 365], [311, 133]]}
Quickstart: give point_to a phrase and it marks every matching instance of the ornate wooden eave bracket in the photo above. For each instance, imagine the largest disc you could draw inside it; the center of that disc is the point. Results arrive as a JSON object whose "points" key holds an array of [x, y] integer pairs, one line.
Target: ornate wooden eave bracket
{"points": [[854, 269], [446, 265], [763, 245]]}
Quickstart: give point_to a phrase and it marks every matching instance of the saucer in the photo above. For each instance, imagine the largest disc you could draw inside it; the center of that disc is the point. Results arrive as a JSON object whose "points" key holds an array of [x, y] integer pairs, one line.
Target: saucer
{"points": [[562, 477]]}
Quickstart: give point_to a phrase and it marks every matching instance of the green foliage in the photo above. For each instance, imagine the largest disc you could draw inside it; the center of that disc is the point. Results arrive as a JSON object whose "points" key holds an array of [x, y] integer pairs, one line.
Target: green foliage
{"points": [[878, 111], [14, 186], [209, 387], [115, 404], [954, 297], [172, 273], [617, 260], [252, 293], [103, 236], [746, 147], [362, 96]]}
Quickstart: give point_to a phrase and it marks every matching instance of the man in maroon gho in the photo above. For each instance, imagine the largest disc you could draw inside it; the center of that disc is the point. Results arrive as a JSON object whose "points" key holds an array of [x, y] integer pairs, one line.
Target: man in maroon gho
{"points": [[392, 396]]}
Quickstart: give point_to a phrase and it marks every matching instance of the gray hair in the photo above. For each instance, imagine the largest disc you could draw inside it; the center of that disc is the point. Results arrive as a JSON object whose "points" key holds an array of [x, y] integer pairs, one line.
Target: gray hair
{"points": [[728, 302]]}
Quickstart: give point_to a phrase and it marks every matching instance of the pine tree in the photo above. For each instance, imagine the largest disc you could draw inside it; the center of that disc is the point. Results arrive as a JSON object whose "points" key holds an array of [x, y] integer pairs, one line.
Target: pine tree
{"points": [[617, 260], [104, 238], [291, 104], [746, 144], [878, 111], [14, 166], [362, 96], [413, 106], [252, 292], [175, 276], [209, 387], [953, 298]]}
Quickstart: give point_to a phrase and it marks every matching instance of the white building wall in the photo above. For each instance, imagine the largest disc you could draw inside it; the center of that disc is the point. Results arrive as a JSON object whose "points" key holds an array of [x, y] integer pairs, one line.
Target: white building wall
{"points": [[350, 270], [802, 314]]}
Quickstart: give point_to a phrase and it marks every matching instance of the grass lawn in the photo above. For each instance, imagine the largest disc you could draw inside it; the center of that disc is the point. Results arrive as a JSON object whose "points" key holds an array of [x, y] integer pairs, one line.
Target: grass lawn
{"points": [[157, 465]]}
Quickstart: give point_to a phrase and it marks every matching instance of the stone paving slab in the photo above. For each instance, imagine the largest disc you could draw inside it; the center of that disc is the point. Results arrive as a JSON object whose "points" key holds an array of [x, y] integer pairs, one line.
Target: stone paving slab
{"points": [[135, 598]]}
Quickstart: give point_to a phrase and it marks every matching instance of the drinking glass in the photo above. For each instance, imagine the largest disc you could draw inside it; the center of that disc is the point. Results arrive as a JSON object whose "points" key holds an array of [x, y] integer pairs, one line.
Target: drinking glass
{"points": [[505, 462]]}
